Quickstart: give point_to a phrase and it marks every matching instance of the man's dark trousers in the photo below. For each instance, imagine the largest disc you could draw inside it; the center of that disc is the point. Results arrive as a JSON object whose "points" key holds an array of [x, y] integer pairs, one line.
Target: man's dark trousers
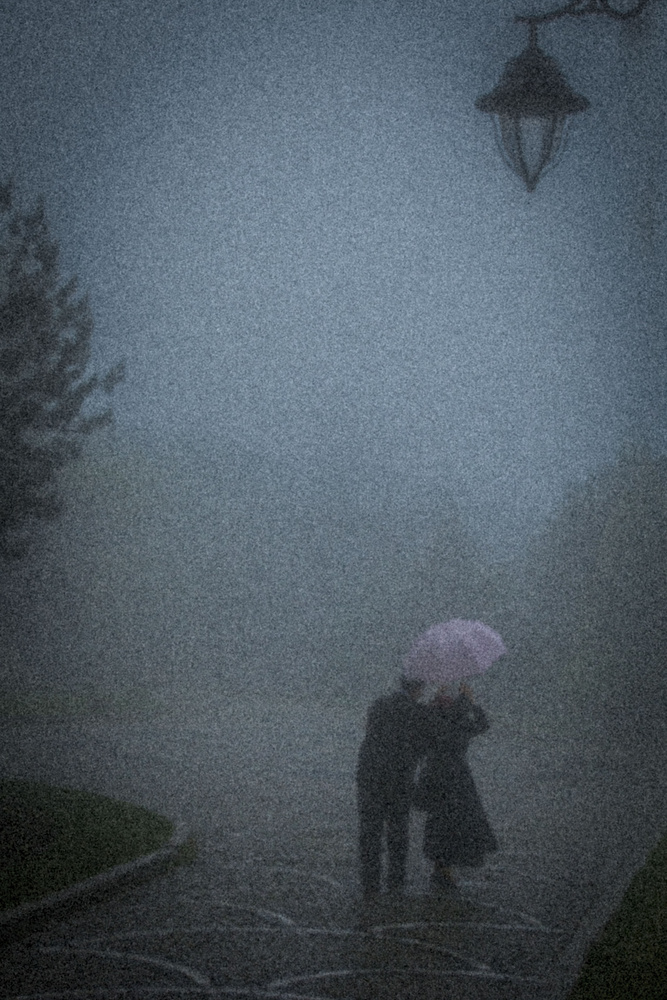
{"points": [[375, 815], [385, 769]]}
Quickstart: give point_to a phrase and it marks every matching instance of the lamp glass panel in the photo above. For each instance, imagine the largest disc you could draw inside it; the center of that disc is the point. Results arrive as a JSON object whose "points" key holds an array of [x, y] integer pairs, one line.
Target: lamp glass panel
{"points": [[530, 143]]}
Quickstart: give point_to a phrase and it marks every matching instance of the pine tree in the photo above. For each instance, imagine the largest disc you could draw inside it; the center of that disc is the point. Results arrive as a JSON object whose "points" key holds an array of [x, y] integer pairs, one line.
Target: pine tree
{"points": [[45, 345]]}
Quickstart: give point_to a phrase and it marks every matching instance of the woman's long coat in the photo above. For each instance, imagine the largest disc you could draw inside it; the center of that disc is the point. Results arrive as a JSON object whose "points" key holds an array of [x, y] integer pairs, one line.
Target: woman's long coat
{"points": [[457, 831]]}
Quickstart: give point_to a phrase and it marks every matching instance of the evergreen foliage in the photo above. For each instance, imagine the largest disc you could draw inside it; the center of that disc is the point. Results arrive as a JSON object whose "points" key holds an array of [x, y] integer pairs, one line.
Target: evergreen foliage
{"points": [[45, 343]]}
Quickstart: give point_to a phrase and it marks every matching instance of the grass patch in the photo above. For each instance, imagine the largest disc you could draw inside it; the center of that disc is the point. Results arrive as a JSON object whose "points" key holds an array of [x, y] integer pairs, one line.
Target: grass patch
{"points": [[51, 838], [629, 959]]}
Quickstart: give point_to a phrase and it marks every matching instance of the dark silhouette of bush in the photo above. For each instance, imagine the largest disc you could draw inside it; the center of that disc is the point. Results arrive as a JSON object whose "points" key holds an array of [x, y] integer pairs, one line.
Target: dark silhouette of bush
{"points": [[596, 585]]}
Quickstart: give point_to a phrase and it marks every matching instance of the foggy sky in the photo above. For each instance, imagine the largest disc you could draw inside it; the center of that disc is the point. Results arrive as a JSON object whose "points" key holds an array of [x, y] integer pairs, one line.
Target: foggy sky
{"points": [[298, 231]]}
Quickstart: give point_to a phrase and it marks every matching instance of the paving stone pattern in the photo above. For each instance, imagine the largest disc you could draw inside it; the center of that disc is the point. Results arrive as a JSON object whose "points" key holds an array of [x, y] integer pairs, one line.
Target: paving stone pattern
{"points": [[271, 906]]}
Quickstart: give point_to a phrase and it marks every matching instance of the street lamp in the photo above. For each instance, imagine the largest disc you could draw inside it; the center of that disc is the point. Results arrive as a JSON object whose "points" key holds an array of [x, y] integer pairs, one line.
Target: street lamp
{"points": [[533, 100]]}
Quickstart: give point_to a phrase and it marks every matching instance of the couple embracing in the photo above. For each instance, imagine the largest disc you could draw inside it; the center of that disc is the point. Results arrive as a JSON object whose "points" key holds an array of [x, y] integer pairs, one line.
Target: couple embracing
{"points": [[414, 754]]}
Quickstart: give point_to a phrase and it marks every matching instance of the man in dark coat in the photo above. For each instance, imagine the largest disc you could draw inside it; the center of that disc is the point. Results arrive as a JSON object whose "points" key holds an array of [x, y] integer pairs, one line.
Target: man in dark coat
{"points": [[395, 740]]}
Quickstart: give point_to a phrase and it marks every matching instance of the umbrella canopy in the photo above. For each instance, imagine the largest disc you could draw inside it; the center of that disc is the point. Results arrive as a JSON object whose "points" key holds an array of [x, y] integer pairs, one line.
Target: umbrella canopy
{"points": [[452, 650]]}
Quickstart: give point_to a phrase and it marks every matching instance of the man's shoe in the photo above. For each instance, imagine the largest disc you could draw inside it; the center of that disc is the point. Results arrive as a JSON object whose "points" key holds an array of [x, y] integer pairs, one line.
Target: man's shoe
{"points": [[442, 884]]}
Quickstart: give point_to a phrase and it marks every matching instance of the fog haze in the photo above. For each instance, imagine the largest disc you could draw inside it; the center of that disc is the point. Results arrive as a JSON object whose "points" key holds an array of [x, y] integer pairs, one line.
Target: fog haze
{"points": [[298, 231]]}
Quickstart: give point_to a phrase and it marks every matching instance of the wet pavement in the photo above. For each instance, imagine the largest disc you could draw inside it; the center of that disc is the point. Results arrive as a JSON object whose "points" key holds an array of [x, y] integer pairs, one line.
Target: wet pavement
{"points": [[271, 906]]}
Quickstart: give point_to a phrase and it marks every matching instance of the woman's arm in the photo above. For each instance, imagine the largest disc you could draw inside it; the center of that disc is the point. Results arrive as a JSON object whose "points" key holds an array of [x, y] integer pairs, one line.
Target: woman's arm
{"points": [[470, 717]]}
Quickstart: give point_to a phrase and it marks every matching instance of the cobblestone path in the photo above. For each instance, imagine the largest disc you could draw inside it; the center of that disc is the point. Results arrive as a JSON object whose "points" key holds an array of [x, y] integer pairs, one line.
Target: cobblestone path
{"points": [[271, 908]]}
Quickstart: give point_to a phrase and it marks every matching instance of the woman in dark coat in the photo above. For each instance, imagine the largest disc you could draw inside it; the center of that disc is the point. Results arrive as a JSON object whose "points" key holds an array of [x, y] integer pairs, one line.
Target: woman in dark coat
{"points": [[457, 831]]}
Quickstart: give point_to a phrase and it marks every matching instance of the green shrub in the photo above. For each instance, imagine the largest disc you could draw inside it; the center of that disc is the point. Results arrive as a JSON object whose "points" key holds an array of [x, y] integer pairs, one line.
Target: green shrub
{"points": [[629, 959]]}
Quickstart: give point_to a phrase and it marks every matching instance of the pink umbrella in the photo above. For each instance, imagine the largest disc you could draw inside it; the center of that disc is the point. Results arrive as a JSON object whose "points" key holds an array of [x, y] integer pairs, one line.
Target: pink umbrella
{"points": [[452, 650]]}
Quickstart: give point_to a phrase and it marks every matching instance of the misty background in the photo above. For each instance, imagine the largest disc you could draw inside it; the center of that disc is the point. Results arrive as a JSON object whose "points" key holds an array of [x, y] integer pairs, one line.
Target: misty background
{"points": [[372, 382]]}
